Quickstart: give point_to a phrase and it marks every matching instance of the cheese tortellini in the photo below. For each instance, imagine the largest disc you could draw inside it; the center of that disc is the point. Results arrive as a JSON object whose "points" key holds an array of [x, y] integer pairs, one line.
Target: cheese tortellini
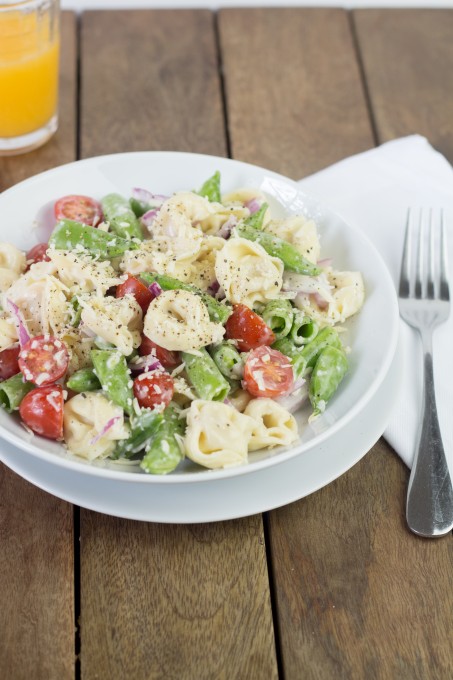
{"points": [[217, 435], [179, 320], [84, 421], [115, 320], [345, 298], [12, 264], [247, 273], [82, 274], [300, 232], [274, 425]]}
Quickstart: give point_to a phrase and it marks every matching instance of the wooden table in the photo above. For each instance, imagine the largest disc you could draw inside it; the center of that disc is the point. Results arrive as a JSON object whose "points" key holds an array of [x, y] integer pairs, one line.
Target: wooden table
{"points": [[333, 586]]}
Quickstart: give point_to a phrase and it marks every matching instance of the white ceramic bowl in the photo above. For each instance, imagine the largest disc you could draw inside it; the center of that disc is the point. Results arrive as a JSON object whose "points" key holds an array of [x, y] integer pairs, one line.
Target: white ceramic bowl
{"points": [[372, 334]]}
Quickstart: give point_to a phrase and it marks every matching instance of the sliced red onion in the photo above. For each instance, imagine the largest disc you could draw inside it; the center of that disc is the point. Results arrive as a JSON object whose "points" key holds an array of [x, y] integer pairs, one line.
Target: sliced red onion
{"points": [[213, 289], [108, 426], [227, 227], [148, 218], [145, 364], [253, 205], [292, 402], [155, 289], [21, 326], [325, 262], [146, 197], [228, 402], [319, 300]]}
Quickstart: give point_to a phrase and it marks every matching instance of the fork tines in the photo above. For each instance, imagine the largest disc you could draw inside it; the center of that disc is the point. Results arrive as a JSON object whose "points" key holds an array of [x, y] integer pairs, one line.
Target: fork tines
{"points": [[424, 264]]}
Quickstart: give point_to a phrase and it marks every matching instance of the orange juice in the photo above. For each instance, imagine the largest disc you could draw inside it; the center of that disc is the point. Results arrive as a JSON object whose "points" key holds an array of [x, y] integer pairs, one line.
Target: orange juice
{"points": [[29, 54]]}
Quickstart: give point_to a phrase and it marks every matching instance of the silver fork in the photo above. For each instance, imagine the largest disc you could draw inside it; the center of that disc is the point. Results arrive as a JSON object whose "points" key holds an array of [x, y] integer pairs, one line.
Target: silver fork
{"points": [[424, 302]]}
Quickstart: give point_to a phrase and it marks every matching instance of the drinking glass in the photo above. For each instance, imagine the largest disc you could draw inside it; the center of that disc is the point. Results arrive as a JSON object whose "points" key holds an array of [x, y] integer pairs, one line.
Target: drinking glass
{"points": [[29, 56]]}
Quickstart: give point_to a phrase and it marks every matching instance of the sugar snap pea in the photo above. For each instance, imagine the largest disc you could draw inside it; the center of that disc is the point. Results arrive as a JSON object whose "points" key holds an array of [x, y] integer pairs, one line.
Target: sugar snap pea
{"points": [[278, 314], [164, 453], [70, 235], [120, 216], [12, 391], [84, 380], [328, 372], [211, 188], [226, 358], [292, 260], [111, 369], [327, 336], [205, 377], [256, 219], [304, 329], [143, 430]]}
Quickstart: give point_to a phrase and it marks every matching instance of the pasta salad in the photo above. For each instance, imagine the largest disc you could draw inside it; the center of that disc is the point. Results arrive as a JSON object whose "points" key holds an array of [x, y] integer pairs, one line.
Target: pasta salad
{"points": [[153, 328]]}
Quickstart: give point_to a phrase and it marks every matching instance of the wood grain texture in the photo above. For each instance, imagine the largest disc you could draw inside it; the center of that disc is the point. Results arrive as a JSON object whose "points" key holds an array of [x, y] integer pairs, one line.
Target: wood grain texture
{"points": [[36, 556], [293, 88], [408, 61], [161, 92], [165, 601], [357, 595]]}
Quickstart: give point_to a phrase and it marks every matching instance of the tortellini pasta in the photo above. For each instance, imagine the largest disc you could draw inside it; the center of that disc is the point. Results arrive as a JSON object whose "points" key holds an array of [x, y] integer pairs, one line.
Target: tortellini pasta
{"points": [[178, 320], [12, 264], [247, 273], [153, 257], [347, 297], [273, 424], [8, 332], [203, 268], [81, 273], [299, 231], [217, 435], [173, 227], [85, 418], [115, 320], [42, 298]]}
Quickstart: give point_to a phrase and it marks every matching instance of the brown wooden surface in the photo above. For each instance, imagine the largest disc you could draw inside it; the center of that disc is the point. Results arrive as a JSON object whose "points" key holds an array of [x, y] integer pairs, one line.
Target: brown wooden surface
{"points": [[355, 595], [36, 529], [165, 601]]}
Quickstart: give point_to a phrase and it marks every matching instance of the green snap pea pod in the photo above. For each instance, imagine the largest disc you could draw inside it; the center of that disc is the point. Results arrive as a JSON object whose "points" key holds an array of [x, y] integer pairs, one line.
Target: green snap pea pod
{"points": [[70, 235], [328, 372], [163, 453], [138, 208], [278, 315], [111, 369], [211, 188], [304, 329], [292, 260], [327, 336], [84, 380], [289, 349], [226, 357], [143, 430], [218, 313], [257, 218], [12, 391], [205, 377], [120, 216]]}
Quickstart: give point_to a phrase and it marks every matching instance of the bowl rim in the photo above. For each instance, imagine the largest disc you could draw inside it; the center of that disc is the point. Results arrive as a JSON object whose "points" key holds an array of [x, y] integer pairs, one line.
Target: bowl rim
{"points": [[96, 468]]}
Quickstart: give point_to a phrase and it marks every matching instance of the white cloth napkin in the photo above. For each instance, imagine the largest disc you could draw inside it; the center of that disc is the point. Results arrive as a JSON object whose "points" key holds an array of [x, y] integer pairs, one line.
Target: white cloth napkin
{"points": [[373, 191]]}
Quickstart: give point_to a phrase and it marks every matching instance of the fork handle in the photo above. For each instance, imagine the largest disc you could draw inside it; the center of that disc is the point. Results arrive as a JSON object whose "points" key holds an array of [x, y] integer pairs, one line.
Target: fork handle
{"points": [[429, 509]]}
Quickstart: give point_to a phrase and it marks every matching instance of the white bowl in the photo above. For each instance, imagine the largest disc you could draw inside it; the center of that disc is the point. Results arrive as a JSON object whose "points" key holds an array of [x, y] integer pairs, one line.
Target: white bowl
{"points": [[372, 334]]}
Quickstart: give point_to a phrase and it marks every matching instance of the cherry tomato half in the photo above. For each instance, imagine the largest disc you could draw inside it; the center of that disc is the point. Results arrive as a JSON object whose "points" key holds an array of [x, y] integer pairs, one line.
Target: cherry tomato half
{"points": [[248, 329], [38, 254], [167, 357], [9, 365], [42, 411], [43, 359], [153, 389], [268, 373], [138, 289], [79, 208]]}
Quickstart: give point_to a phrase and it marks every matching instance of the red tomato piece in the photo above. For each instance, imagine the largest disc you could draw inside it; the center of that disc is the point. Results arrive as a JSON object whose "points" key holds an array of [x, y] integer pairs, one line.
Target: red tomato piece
{"points": [[38, 254], [9, 365], [153, 389], [78, 208], [248, 329], [42, 411], [268, 373], [43, 359], [138, 289], [167, 357]]}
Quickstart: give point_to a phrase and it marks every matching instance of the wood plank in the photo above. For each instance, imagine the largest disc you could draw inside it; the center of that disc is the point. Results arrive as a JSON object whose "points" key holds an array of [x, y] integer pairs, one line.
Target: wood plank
{"points": [[36, 559], [286, 69], [408, 61], [352, 585], [165, 601]]}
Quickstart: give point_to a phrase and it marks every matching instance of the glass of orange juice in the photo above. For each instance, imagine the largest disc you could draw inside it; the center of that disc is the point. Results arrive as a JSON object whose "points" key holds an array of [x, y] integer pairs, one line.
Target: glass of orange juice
{"points": [[29, 56]]}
